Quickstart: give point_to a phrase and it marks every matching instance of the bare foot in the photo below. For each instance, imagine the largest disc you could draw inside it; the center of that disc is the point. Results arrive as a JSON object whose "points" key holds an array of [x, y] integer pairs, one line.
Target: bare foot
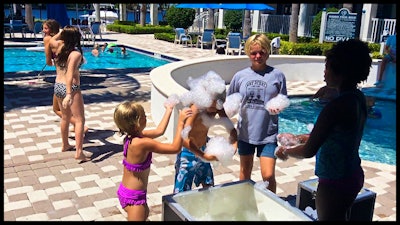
{"points": [[68, 148], [83, 158]]}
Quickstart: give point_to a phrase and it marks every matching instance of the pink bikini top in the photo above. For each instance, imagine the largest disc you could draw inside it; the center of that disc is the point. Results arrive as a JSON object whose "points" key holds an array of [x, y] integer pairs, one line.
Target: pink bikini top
{"points": [[135, 167]]}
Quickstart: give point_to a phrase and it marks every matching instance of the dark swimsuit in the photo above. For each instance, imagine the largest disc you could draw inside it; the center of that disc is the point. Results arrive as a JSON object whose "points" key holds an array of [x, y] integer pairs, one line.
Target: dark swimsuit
{"points": [[60, 89], [127, 196]]}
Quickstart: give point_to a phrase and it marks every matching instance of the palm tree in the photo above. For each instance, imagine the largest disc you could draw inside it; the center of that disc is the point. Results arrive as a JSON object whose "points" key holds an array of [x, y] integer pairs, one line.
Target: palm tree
{"points": [[294, 23], [246, 24], [210, 20], [143, 12], [28, 16], [348, 6]]}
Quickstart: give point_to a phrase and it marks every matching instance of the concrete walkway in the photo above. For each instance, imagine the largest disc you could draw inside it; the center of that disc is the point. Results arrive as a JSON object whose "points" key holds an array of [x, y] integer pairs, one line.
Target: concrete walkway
{"points": [[43, 184]]}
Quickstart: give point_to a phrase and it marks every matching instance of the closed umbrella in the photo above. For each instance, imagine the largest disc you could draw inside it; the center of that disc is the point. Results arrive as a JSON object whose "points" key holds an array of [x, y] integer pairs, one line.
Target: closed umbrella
{"points": [[58, 12]]}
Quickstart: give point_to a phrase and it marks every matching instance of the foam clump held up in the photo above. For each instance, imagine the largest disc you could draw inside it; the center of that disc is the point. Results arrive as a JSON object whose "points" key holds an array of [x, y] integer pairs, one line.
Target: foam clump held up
{"points": [[232, 104], [172, 100], [219, 147], [203, 90], [287, 140], [310, 127], [279, 102], [185, 131]]}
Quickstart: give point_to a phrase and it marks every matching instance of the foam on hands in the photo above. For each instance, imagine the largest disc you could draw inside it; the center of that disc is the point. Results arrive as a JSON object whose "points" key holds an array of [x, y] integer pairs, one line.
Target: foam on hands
{"points": [[203, 91], [279, 102]]}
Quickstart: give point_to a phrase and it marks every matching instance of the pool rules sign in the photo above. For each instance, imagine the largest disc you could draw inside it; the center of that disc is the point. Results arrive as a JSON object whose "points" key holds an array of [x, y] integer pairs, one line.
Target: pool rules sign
{"points": [[340, 26]]}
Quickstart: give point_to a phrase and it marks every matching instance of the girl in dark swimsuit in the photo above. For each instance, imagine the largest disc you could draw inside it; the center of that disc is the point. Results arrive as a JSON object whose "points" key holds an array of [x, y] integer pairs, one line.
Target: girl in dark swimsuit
{"points": [[66, 46]]}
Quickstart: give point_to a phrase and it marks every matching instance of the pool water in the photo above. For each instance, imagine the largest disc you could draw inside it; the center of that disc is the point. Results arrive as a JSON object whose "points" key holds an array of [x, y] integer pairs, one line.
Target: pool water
{"points": [[379, 139], [21, 60]]}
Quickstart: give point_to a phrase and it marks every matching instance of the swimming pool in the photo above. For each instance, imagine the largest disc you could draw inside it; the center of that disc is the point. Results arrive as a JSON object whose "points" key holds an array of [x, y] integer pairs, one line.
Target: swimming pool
{"points": [[21, 60], [379, 139]]}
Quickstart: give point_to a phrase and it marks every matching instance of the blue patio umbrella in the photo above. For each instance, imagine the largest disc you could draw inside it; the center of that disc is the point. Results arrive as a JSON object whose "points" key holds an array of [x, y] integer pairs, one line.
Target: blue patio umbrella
{"points": [[245, 6], [59, 13], [198, 6]]}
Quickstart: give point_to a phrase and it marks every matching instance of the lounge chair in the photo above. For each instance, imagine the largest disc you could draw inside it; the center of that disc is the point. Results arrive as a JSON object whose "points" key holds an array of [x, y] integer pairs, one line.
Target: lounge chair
{"points": [[96, 30], [37, 29], [233, 44], [206, 38], [181, 37], [18, 27], [275, 45]]}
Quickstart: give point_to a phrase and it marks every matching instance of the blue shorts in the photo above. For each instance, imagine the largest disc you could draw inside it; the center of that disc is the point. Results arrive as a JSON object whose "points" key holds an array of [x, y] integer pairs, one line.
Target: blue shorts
{"points": [[265, 150], [190, 169]]}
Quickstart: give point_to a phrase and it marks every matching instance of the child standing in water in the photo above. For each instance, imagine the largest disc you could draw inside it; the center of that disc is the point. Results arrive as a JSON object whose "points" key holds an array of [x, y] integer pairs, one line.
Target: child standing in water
{"points": [[139, 145]]}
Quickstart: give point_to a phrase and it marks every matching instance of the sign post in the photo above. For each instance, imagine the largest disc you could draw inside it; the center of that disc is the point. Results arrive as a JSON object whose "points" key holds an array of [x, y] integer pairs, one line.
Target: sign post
{"points": [[340, 26]]}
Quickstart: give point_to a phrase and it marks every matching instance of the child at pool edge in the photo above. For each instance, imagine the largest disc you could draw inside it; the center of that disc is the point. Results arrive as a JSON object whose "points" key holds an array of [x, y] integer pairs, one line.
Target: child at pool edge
{"points": [[138, 146], [104, 46], [123, 51], [95, 50], [50, 28]]}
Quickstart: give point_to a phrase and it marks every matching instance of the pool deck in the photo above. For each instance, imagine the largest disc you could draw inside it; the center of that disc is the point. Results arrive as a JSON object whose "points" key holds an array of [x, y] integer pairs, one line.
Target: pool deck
{"points": [[41, 183]]}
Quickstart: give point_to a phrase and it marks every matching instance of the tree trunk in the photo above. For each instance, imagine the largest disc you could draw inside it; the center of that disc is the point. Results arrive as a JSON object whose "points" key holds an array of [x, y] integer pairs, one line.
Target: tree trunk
{"points": [[210, 20], [294, 23], [28, 16], [97, 9], [247, 24], [348, 6], [143, 12]]}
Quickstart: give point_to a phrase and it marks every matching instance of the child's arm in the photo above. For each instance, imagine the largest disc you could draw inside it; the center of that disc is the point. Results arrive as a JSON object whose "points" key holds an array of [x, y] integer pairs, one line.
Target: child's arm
{"points": [[176, 145], [47, 50], [319, 93], [162, 126], [188, 142], [49, 44], [233, 139]]}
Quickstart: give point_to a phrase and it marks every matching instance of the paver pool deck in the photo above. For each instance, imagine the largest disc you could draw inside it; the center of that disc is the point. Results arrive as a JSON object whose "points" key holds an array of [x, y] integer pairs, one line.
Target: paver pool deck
{"points": [[42, 184]]}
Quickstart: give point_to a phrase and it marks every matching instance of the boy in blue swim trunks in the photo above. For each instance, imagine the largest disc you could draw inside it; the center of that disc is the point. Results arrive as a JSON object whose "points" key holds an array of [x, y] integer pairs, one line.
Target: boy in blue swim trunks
{"points": [[190, 166]]}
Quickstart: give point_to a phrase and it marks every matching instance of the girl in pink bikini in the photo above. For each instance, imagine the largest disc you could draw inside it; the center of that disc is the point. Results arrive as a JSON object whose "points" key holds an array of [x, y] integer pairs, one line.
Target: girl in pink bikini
{"points": [[139, 145]]}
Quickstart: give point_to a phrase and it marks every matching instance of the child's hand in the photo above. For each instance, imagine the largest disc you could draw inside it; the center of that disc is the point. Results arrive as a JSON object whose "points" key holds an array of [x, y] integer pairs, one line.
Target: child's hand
{"points": [[280, 153], [184, 114], [171, 101], [209, 157], [273, 111]]}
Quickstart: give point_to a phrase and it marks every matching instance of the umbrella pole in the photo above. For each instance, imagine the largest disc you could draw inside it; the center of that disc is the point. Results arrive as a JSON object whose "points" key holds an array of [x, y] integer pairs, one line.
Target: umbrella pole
{"points": [[41, 72], [76, 10]]}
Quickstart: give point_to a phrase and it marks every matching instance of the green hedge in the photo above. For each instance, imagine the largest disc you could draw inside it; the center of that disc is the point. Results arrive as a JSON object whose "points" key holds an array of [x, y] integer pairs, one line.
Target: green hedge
{"points": [[138, 29]]}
